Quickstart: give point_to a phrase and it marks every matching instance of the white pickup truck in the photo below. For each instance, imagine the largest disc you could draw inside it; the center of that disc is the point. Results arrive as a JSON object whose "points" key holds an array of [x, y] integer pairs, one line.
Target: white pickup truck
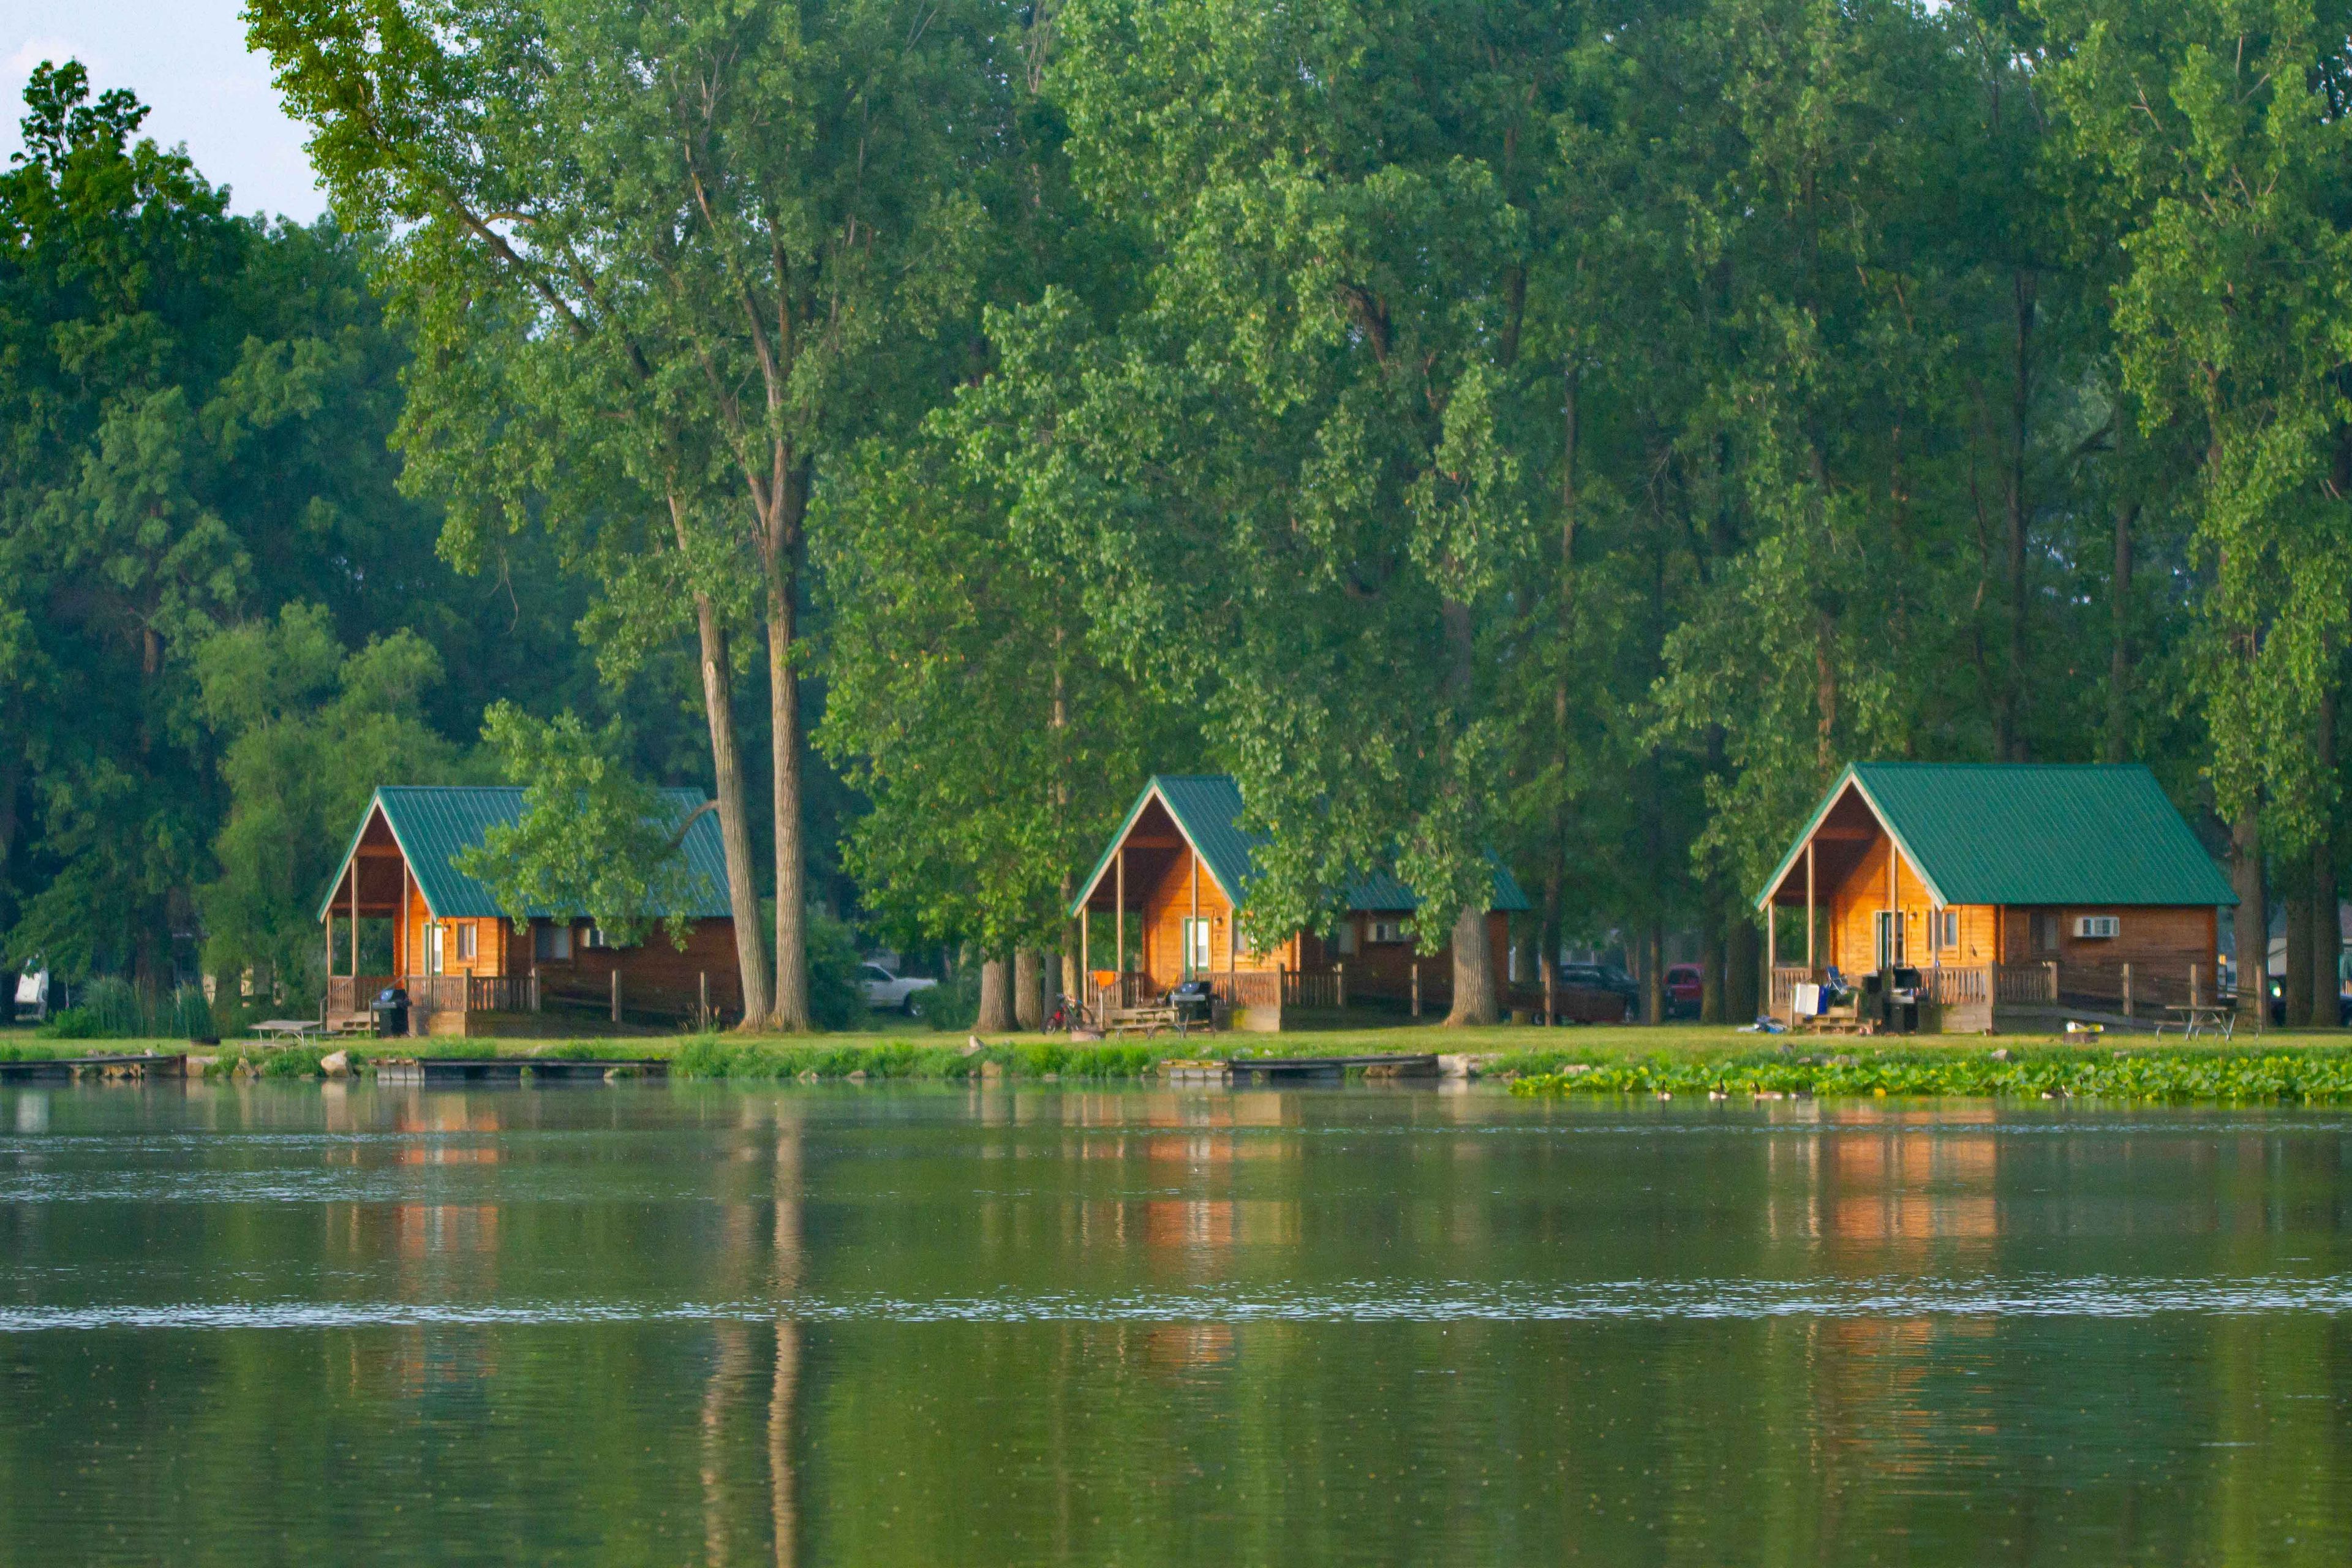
{"points": [[888, 993]]}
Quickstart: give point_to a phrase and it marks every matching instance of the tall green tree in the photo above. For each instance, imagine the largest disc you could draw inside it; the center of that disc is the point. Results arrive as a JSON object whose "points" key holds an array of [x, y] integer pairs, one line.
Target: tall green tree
{"points": [[697, 250], [2219, 135], [308, 730]]}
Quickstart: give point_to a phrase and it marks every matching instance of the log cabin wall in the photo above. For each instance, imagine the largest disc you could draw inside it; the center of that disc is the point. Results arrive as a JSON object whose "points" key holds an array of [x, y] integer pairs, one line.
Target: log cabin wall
{"points": [[652, 971], [1854, 904], [2152, 939], [1385, 968], [1167, 904]]}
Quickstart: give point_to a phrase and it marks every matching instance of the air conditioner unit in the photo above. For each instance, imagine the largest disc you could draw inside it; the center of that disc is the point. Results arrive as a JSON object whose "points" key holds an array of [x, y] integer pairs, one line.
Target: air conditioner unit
{"points": [[2096, 926]]}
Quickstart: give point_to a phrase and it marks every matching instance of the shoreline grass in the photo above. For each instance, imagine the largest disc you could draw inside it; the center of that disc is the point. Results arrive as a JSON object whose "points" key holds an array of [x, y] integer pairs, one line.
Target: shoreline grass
{"points": [[2314, 1067]]}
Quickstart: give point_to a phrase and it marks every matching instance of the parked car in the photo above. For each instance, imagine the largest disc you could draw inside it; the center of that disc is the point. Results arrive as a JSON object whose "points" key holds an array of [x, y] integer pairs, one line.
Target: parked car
{"points": [[1683, 988], [888, 993], [1603, 977], [2278, 1004]]}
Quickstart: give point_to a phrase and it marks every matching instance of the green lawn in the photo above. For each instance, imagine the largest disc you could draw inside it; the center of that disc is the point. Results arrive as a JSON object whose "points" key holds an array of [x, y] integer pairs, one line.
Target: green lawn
{"points": [[1672, 1059]]}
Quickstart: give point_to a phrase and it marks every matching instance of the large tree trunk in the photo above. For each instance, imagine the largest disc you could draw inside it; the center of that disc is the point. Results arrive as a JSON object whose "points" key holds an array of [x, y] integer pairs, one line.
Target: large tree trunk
{"points": [[2252, 922], [734, 821], [781, 559], [2326, 940], [1711, 963], [1474, 970], [1654, 972], [1028, 978], [2011, 738], [995, 996], [1743, 965], [2295, 985], [2327, 925], [2119, 654]]}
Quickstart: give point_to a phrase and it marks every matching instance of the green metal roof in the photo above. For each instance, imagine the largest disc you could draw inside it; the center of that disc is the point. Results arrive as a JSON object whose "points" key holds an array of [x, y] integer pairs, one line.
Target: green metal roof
{"points": [[1208, 807], [2031, 833], [433, 824]]}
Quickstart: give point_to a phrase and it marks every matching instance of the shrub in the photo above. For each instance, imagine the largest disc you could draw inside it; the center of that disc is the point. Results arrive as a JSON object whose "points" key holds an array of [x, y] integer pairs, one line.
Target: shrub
{"points": [[117, 1006], [73, 1024], [192, 1015]]}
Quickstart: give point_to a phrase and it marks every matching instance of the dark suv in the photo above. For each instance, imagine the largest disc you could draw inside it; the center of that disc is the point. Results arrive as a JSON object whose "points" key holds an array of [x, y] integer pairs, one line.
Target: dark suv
{"points": [[1603, 977]]}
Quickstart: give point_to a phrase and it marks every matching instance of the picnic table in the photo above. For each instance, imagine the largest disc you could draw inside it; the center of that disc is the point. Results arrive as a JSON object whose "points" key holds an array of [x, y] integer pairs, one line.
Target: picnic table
{"points": [[287, 1031], [1147, 1020], [2195, 1015]]}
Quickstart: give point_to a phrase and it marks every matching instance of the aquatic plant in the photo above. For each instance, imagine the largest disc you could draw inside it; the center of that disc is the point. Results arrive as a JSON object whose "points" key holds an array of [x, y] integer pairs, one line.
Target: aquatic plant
{"points": [[2180, 1075]]}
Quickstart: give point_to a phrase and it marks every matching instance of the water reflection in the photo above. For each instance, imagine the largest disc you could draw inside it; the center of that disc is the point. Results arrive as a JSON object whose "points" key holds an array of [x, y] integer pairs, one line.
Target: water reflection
{"points": [[685, 1324]]}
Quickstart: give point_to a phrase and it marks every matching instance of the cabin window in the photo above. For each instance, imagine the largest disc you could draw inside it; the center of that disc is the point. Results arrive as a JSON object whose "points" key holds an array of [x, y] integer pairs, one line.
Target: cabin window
{"points": [[1343, 940], [1388, 931], [465, 940], [2098, 928], [1944, 925], [551, 942], [433, 956]]}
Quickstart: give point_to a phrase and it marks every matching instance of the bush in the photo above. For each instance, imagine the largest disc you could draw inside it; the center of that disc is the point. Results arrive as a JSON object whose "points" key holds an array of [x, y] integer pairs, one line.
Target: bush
{"points": [[835, 1000], [119, 1008], [954, 1003], [73, 1024], [192, 1015]]}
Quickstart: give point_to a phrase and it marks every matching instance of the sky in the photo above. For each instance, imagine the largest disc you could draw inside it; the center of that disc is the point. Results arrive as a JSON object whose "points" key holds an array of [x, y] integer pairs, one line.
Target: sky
{"points": [[186, 59]]}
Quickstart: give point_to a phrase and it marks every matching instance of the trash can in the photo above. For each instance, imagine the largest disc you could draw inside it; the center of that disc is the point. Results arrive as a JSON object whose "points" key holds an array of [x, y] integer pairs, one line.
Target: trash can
{"points": [[391, 1010]]}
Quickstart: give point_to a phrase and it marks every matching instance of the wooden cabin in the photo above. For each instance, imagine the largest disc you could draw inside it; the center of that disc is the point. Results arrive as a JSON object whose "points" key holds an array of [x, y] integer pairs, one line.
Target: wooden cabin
{"points": [[1164, 896], [470, 969], [2018, 890]]}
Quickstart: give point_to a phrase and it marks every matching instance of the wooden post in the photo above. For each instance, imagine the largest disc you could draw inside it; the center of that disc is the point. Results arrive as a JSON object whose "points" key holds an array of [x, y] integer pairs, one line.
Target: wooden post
{"points": [[1118, 960], [1086, 949], [1340, 978], [704, 978], [356, 928], [2050, 967], [1416, 988], [2194, 1000], [1772, 946], [2127, 995], [616, 995], [1809, 909], [1192, 935], [402, 957]]}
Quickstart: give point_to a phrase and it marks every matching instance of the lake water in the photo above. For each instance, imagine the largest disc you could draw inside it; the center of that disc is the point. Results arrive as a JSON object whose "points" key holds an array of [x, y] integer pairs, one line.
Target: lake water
{"points": [[879, 1326]]}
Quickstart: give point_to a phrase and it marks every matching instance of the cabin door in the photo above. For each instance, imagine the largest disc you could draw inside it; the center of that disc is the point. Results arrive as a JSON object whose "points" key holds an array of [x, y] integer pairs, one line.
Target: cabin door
{"points": [[1196, 947], [1890, 938]]}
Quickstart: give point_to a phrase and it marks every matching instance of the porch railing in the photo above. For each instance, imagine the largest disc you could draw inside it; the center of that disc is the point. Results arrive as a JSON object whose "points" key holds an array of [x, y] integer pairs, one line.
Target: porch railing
{"points": [[1958, 986], [1323, 989], [1786, 978], [437, 993]]}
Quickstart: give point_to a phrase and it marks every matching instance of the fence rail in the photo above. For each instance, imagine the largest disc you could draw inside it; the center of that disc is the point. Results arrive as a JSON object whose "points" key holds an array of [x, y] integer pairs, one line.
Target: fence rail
{"points": [[437, 993]]}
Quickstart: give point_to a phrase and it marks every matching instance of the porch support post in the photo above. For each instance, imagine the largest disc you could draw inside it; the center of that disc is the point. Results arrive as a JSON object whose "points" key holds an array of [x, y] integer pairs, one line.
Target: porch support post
{"points": [[1894, 905], [1119, 932], [1809, 909], [1193, 935], [356, 928]]}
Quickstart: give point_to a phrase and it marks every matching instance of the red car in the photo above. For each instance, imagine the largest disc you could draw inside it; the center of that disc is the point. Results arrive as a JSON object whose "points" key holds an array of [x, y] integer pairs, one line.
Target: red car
{"points": [[1682, 990]]}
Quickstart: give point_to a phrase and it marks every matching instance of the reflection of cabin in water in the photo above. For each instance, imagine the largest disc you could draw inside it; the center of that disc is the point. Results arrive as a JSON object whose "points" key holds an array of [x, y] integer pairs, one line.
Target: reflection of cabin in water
{"points": [[2009, 886], [1167, 889], [468, 968]]}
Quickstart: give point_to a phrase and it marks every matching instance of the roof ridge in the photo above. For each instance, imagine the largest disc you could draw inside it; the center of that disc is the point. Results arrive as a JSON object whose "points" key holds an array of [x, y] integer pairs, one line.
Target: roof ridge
{"points": [[2009, 767]]}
